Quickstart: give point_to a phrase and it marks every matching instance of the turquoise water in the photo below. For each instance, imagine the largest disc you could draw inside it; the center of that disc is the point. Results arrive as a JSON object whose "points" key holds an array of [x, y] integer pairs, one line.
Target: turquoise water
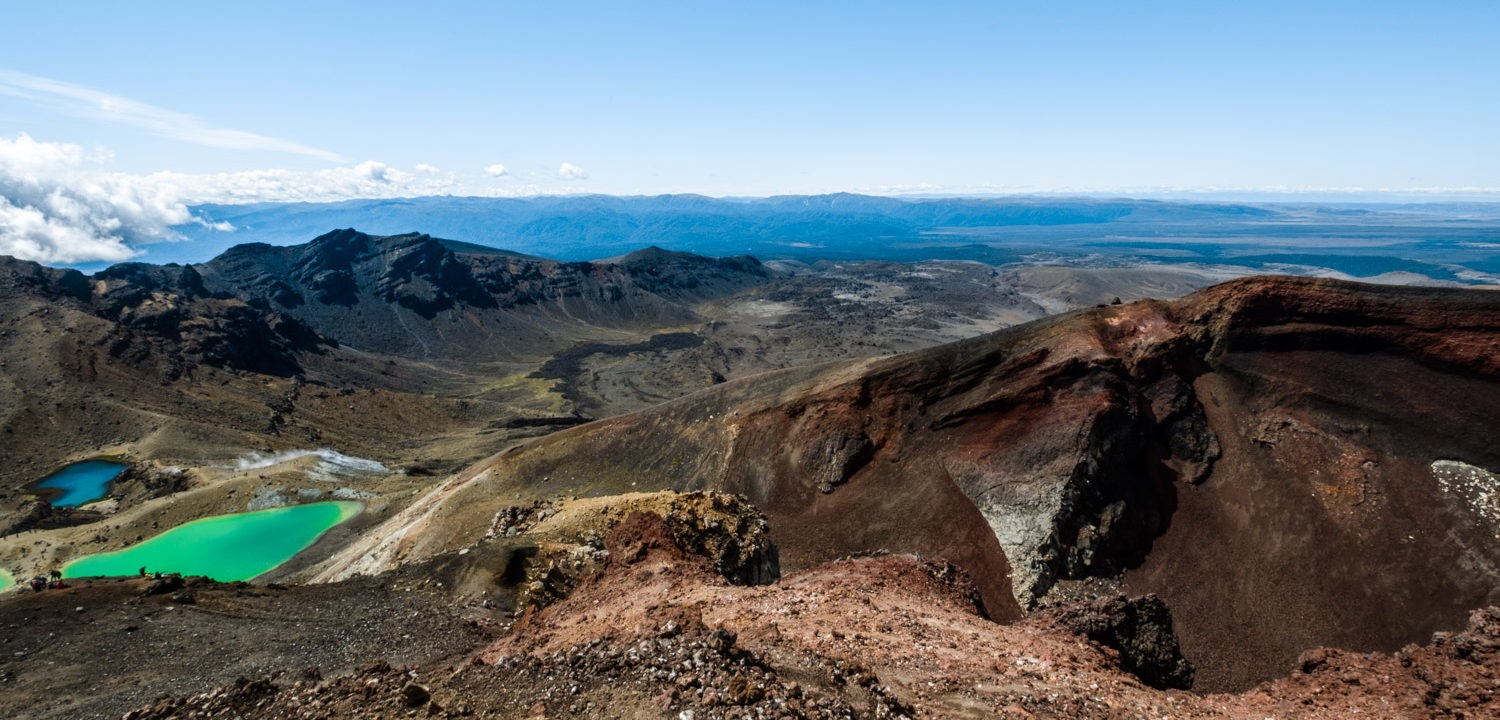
{"points": [[223, 547], [6, 580], [82, 482]]}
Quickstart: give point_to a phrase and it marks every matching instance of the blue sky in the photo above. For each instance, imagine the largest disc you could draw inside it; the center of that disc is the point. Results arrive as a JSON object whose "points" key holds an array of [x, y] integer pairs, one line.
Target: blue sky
{"points": [[758, 98], [276, 100]]}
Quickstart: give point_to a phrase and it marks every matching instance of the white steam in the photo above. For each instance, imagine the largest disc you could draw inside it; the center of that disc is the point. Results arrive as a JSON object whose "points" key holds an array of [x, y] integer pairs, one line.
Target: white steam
{"points": [[331, 464]]}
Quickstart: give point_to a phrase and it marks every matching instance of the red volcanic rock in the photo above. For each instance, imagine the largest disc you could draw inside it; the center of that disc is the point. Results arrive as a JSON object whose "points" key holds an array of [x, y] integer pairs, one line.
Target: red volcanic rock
{"points": [[1258, 454]]}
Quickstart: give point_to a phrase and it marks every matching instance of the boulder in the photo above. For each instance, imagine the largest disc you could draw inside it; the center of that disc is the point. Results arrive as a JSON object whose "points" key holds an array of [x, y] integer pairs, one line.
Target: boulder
{"points": [[1139, 629]]}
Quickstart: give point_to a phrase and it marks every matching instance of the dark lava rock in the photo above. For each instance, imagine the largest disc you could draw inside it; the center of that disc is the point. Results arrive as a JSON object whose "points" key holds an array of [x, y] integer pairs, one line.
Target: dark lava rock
{"points": [[164, 585], [30, 515], [414, 695], [1139, 629], [1479, 643]]}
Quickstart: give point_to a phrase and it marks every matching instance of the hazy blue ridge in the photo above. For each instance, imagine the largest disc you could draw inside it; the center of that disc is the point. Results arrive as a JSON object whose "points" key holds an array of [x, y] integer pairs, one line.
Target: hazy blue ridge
{"points": [[1360, 240]]}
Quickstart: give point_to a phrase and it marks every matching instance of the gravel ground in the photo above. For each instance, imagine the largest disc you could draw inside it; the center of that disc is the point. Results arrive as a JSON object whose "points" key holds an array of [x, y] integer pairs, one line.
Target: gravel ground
{"points": [[655, 633], [96, 650]]}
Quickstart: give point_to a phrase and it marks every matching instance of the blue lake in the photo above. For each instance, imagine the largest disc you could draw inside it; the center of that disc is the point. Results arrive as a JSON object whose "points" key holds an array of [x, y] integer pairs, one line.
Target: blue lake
{"points": [[81, 483]]}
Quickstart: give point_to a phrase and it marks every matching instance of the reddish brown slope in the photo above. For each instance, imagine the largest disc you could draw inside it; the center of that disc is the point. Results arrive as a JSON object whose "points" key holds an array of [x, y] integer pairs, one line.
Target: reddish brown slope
{"points": [[1324, 524], [1258, 453]]}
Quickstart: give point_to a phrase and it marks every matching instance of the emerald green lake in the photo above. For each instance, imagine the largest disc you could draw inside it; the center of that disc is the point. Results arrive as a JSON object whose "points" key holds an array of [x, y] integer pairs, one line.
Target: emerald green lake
{"points": [[6, 580], [225, 547]]}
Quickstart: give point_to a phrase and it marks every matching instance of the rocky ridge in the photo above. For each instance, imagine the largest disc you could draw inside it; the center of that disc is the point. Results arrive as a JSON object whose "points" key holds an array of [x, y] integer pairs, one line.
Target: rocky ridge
{"points": [[399, 294]]}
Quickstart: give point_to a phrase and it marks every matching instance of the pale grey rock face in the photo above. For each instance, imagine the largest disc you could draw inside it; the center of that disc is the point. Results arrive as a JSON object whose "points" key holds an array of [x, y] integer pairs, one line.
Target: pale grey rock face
{"points": [[1478, 489]]}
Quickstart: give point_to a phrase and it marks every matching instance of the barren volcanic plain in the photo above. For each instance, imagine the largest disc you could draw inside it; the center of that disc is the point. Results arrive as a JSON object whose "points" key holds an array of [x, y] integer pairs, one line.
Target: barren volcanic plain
{"points": [[671, 485]]}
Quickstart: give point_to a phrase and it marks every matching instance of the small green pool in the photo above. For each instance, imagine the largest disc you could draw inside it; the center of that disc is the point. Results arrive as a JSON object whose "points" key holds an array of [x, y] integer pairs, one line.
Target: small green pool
{"points": [[225, 547], [6, 580]]}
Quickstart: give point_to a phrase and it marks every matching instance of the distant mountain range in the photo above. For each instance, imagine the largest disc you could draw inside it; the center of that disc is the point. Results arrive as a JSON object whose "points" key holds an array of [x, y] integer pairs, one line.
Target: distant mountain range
{"points": [[1449, 242]]}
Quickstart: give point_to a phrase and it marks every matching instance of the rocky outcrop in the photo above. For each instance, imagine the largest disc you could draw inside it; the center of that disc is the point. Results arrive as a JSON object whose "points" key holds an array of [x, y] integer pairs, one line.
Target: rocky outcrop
{"points": [[23, 278], [32, 515], [680, 274], [731, 535], [165, 320], [538, 553], [165, 585], [1139, 630]]}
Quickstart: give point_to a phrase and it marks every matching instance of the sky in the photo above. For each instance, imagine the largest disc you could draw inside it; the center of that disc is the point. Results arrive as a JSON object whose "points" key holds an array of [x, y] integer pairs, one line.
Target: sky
{"points": [[115, 118]]}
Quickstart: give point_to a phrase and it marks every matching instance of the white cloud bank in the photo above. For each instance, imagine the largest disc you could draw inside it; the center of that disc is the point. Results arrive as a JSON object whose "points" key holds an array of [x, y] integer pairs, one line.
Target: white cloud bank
{"points": [[57, 207], [61, 204], [496, 170]]}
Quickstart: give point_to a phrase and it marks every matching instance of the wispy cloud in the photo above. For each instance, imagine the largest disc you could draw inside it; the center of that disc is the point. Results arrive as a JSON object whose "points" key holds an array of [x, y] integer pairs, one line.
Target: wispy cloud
{"points": [[569, 171], [94, 104], [369, 179]]}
